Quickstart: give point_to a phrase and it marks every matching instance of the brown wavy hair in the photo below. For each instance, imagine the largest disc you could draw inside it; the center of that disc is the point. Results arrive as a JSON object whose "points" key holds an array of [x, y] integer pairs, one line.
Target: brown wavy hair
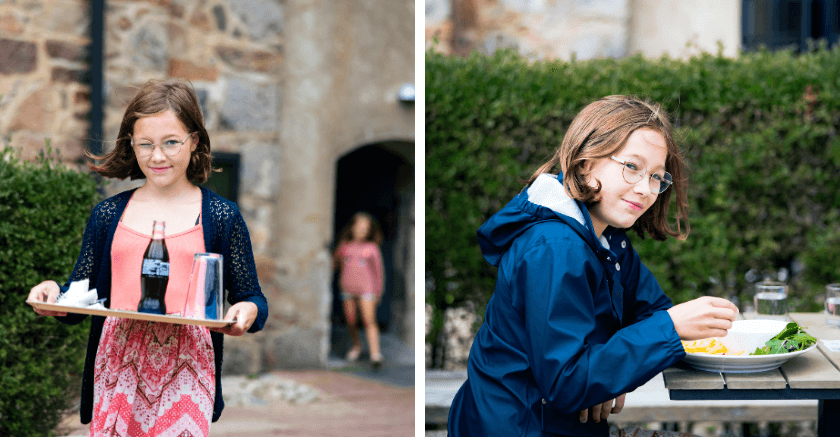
{"points": [[153, 98], [600, 130], [374, 235]]}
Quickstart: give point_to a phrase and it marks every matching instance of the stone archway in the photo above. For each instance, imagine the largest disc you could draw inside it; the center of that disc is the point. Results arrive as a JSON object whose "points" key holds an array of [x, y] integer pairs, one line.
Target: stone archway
{"points": [[378, 178]]}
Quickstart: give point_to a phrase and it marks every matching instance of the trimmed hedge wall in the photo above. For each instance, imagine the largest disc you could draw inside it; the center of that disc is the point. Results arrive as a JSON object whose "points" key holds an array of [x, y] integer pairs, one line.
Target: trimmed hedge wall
{"points": [[759, 132], [44, 207]]}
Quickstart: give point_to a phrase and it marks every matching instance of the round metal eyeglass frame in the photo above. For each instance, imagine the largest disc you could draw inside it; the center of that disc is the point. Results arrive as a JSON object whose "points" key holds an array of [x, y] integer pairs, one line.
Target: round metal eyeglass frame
{"points": [[632, 174], [169, 147]]}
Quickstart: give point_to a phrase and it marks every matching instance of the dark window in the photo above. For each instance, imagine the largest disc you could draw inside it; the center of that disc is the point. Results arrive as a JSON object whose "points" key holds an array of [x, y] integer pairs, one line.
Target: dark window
{"points": [[789, 24], [226, 182]]}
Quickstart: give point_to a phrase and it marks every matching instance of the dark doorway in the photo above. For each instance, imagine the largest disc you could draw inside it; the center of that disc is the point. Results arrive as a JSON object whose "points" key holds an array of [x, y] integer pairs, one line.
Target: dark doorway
{"points": [[371, 179], [226, 182]]}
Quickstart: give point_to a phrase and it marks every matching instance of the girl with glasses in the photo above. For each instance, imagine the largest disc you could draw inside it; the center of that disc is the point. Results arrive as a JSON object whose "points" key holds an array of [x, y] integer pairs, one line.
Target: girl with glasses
{"points": [[151, 378], [576, 320]]}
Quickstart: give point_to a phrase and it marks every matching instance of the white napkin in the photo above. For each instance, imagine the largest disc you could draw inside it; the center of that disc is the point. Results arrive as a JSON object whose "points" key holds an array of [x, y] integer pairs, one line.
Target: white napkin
{"points": [[78, 295], [832, 345]]}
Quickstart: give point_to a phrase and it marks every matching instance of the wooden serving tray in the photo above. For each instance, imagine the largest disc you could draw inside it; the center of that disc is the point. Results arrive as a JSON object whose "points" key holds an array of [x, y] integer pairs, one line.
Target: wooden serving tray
{"points": [[169, 318]]}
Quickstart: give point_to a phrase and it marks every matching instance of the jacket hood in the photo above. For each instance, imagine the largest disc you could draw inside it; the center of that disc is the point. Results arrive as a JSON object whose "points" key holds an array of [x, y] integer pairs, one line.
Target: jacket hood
{"points": [[546, 199]]}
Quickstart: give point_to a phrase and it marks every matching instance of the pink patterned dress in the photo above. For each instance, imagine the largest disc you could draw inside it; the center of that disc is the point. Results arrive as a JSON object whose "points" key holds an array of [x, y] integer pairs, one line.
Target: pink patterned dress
{"points": [[151, 378], [361, 269]]}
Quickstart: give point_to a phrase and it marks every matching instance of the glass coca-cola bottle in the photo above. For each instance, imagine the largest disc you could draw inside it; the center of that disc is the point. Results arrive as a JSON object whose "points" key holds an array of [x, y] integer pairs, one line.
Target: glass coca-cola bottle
{"points": [[155, 273]]}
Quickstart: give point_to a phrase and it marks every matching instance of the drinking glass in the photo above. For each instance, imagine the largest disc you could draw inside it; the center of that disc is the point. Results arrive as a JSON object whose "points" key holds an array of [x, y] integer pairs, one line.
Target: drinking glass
{"points": [[832, 305], [205, 292], [771, 300]]}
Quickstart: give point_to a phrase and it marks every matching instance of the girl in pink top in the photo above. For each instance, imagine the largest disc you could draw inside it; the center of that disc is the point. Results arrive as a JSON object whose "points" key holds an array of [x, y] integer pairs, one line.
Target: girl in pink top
{"points": [[157, 379], [361, 280]]}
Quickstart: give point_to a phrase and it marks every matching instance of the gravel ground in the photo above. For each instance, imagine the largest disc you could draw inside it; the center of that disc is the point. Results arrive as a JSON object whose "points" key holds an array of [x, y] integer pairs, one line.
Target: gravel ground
{"points": [[241, 391]]}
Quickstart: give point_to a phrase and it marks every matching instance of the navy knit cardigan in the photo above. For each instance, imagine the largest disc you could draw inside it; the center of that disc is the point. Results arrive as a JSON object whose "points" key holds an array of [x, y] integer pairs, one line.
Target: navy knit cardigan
{"points": [[225, 233]]}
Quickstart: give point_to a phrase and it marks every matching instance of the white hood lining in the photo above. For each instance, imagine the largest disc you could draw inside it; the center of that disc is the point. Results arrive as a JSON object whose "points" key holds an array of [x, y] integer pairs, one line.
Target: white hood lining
{"points": [[547, 191]]}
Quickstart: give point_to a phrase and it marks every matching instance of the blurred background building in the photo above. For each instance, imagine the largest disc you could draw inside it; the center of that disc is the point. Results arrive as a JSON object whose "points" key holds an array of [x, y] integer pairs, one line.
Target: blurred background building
{"points": [[310, 110], [559, 29]]}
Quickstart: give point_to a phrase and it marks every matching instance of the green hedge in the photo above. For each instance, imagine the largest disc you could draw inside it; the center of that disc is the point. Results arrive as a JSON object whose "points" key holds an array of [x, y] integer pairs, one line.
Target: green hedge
{"points": [[759, 133], [44, 207]]}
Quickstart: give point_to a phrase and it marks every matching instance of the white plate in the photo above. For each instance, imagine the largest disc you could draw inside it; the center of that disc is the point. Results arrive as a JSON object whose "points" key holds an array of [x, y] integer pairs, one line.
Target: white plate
{"points": [[169, 318], [739, 363]]}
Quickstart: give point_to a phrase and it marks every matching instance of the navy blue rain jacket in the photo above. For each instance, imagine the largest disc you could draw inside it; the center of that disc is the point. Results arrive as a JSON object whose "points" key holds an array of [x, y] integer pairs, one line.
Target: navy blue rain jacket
{"points": [[571, 323]]}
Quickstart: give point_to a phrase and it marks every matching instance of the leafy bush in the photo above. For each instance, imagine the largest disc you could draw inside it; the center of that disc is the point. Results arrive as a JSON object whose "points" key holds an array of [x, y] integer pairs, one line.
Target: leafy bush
{"points": [[759, 133], [44, 206]]}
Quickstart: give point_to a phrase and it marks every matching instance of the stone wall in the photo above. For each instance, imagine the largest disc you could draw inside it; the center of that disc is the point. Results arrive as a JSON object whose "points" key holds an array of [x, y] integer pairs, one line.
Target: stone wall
{"points": [[538, 29], [43, 46], [459, 328], [289, 85], [703, 24], [559, 29]]}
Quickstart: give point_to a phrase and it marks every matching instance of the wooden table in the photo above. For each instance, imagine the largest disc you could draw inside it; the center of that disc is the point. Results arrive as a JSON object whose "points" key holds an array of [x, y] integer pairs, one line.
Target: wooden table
{"points": [[813, 375]]}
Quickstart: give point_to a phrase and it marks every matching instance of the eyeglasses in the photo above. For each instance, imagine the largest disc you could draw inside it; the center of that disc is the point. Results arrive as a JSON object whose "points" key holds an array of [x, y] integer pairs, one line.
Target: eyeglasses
{"points": [[169, 147], [633, 174]]}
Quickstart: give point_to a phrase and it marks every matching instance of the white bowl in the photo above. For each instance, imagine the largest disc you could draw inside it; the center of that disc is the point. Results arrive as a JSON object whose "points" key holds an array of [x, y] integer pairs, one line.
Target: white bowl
{"points": [[751, 334]]}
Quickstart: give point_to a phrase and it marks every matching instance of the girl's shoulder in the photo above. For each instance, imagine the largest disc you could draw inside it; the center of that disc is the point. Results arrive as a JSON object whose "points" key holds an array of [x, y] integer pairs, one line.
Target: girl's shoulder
{"points": [[369, 246], [551, 236], [341, 248], [372, 248], [109, 207], [551, 231], [219, 208], [121, 197], [216, 201]]}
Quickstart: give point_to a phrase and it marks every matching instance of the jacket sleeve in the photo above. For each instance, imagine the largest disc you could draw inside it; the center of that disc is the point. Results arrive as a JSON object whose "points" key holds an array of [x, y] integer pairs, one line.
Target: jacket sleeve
{"points": [[642, 294], [87, 266], [240, 272], [573, 368]]}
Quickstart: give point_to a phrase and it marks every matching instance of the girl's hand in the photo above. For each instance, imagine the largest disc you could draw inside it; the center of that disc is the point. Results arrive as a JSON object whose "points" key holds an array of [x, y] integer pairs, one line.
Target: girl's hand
{"points": [[703, 317], [46, 291], [602, 411], [245, 313]]}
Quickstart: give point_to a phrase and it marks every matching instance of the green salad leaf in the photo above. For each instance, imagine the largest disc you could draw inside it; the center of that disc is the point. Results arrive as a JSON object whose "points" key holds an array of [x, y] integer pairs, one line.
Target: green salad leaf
{"points": [[791, 339]]}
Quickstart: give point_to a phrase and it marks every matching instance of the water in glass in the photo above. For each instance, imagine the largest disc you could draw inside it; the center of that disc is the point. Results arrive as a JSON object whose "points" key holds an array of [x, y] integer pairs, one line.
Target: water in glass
{"points": [[832, 304], [771, 303], [771, 300]]}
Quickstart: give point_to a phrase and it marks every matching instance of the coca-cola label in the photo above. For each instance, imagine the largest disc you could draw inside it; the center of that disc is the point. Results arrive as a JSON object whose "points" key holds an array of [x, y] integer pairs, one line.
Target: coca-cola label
{"points": [[155, 267]]}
